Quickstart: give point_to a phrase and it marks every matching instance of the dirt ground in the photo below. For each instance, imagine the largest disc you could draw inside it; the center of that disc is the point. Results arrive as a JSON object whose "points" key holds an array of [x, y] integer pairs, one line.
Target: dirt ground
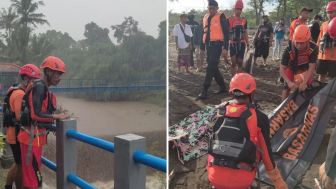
{"points": [[183, 90]]}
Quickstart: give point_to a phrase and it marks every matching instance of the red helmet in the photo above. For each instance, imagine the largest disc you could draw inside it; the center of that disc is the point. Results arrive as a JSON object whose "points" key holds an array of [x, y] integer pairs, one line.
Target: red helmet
{"points": [[332, 28], [243, 82], [331, 6], [30, 70], [301, 34], [54, 63], [239, 4]]}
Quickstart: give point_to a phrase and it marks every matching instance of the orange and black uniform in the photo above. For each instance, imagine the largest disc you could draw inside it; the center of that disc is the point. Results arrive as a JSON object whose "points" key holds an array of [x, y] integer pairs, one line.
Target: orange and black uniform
{"points": [[215, 37], [42, 104], [298, 61], [292, 27], [327, 53], [15, 101], [229, 175], [237, 41]]}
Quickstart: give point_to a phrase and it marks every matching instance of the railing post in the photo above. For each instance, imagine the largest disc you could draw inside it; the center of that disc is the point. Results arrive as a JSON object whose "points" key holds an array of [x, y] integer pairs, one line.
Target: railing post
{"points": [[66, 153], [128, 174]]}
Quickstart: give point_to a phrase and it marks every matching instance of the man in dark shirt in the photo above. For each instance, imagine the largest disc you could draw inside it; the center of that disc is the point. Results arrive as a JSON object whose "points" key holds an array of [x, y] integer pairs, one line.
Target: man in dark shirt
{"points": [[194, 40], [263, 40], [215, 38], [298, 61], [315, 27]]}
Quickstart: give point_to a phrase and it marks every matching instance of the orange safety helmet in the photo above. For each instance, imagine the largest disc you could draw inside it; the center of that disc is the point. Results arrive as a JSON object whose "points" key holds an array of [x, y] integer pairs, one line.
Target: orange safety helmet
{"points": [[239, 4], [30, 70], [331, 6], [302, 34], [53, 63], [332, 28], [243, 82]]}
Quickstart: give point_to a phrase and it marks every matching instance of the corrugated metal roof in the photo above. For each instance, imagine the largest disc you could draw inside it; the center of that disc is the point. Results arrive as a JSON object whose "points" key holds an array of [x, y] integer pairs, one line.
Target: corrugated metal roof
{"points": [[9, 67]]}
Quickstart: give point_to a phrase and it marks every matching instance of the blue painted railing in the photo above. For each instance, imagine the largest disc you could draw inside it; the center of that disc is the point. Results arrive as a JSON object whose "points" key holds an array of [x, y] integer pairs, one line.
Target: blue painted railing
{"points": [[101, 86], [94, 141], [139, 157], [79, 182]]}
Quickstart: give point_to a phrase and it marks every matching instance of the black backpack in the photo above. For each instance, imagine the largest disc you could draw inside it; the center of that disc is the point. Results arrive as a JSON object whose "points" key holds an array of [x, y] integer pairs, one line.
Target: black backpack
{"points": [[231, 139], [8, 119]]}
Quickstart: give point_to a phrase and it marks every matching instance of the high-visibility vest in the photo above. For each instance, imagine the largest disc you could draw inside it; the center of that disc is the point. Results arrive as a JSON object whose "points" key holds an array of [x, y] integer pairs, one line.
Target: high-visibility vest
{"points": [[327, 46], [216, 33], [237, 29], [295, 23]]}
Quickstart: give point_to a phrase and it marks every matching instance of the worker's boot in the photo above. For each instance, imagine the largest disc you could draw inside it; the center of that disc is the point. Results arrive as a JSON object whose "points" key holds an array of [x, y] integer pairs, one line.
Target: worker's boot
{"points": [[203, 95]]}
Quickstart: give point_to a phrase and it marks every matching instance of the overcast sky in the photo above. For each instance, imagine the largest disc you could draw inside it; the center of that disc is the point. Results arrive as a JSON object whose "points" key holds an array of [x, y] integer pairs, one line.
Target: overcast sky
{"points": [[72, 15], [186, 5]]}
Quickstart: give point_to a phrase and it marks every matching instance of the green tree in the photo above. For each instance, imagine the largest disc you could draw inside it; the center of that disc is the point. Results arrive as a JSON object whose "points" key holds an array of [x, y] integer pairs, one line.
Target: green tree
{"points": [[39, 48], [60, 40], [95, 34], [7, 17], [128, 28], [27, 20]]}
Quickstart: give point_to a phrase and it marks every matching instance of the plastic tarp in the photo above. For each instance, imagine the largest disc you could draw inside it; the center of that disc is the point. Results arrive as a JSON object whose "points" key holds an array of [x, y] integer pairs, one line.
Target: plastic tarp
{"points": [[297, 129]]}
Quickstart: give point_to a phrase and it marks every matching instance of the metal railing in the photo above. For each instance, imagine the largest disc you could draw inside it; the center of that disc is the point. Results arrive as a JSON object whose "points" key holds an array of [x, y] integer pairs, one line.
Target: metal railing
{"points": [[97, 86], [130, 158]]}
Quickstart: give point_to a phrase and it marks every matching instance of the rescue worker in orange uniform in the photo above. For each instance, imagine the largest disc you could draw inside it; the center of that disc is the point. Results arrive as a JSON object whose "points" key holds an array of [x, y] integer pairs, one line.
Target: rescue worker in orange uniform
{"points": [[239, 132], [27, 74], [38, 107], [326, 65], [303, 19], [327, 171], [298, 61], [215, 39], [238, 40]]}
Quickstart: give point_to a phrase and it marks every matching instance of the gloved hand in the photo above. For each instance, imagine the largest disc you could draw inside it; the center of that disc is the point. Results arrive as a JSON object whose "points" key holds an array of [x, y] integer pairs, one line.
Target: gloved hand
{"points": [[326, 181], [276, 178]]}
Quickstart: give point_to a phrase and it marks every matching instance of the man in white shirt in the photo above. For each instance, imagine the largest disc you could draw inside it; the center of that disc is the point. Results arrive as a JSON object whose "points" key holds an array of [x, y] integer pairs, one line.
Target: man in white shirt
{"points": [[182, 33]]}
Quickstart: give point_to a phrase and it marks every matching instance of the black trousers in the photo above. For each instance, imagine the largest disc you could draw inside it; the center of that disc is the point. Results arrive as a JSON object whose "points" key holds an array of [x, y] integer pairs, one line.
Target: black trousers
{"points": [[214, 51], [192, 64]]}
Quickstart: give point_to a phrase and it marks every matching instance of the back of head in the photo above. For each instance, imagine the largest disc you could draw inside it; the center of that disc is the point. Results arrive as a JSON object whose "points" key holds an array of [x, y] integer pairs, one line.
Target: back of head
{"points": [[30, 70], [318, 17], [242, 84]]}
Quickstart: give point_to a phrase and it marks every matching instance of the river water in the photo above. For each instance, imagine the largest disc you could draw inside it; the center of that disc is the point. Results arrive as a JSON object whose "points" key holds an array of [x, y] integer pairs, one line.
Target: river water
{"points": [[112, 118], [106, 120]]}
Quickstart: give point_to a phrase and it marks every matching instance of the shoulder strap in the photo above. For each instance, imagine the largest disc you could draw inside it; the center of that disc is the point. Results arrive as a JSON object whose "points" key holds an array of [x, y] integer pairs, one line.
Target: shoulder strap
{"points": [[12, 89], [184, 34], [182, 29], [244, 116]]}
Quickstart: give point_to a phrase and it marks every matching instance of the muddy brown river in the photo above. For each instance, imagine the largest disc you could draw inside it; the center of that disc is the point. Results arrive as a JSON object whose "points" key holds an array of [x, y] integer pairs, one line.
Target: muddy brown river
{"points": [[113, 118]]}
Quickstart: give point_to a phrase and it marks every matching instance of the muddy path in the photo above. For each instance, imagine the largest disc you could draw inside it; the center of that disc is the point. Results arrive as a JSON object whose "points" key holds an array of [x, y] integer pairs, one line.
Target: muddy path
{"points": [[183, 90]]}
